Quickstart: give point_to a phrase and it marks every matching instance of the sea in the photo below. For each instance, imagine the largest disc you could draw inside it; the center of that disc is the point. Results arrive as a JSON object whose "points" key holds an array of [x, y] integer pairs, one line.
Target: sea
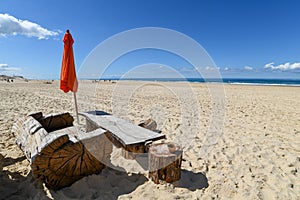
{"points": [[238, 81]]}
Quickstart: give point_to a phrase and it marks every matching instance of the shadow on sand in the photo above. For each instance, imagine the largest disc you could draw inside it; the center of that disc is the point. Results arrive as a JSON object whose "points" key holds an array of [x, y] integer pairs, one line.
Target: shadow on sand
{"points": [[191, 180], [109, 184], [15, 186]]}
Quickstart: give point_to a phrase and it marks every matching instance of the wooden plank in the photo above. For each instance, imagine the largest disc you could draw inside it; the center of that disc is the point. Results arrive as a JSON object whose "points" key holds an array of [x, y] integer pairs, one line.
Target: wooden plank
{"points": [[126, 132]]}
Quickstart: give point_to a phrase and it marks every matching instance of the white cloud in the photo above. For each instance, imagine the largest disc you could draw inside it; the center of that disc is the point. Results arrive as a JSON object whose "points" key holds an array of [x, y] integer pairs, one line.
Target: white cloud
{"points": [[226, 69], [6, 68], [283, 67], [3, 65], [9, 25], [209, 68], [248, 68]]}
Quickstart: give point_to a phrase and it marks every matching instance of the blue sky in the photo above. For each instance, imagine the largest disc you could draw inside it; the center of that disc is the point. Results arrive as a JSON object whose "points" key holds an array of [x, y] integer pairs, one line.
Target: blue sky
{"points": [[249, 38]]}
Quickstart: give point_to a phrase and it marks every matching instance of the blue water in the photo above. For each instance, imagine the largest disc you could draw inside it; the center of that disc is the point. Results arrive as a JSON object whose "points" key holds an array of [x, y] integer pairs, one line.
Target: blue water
{"points": [[242, 81]]}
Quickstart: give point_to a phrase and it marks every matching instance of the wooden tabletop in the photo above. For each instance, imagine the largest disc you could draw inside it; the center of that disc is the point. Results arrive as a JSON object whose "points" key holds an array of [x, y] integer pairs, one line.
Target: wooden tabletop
{"points": [[126, 132]]}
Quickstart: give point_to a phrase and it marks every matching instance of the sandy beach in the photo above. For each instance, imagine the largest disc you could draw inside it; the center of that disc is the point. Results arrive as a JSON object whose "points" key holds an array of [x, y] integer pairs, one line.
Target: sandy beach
{"points": [[239, 141]]}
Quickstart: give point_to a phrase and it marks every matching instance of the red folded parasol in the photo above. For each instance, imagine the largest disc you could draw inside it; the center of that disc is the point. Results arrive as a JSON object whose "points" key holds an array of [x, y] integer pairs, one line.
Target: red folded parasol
{"points": [[68, 80]]}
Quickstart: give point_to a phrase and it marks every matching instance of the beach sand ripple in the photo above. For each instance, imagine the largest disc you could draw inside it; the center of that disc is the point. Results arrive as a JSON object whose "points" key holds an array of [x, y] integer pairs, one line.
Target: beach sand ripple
{"points": [[257, 156]]}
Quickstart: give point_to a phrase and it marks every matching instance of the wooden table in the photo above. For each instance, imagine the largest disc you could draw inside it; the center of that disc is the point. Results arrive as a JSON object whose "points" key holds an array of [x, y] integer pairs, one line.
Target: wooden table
{"points": [[131, 137]]}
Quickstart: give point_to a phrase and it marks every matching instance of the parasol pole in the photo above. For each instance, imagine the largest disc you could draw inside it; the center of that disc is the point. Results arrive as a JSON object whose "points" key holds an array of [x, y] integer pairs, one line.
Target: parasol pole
{"points": [[76, 107]]}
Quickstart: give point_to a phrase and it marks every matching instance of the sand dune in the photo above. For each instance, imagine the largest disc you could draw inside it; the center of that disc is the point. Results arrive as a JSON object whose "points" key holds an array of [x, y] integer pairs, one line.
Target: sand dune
{"points": [[240, 142]]}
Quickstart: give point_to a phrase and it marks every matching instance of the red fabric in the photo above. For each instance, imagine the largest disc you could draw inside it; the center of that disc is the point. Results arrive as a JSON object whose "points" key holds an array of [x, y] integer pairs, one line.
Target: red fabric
{"points": [[68, 80]]}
